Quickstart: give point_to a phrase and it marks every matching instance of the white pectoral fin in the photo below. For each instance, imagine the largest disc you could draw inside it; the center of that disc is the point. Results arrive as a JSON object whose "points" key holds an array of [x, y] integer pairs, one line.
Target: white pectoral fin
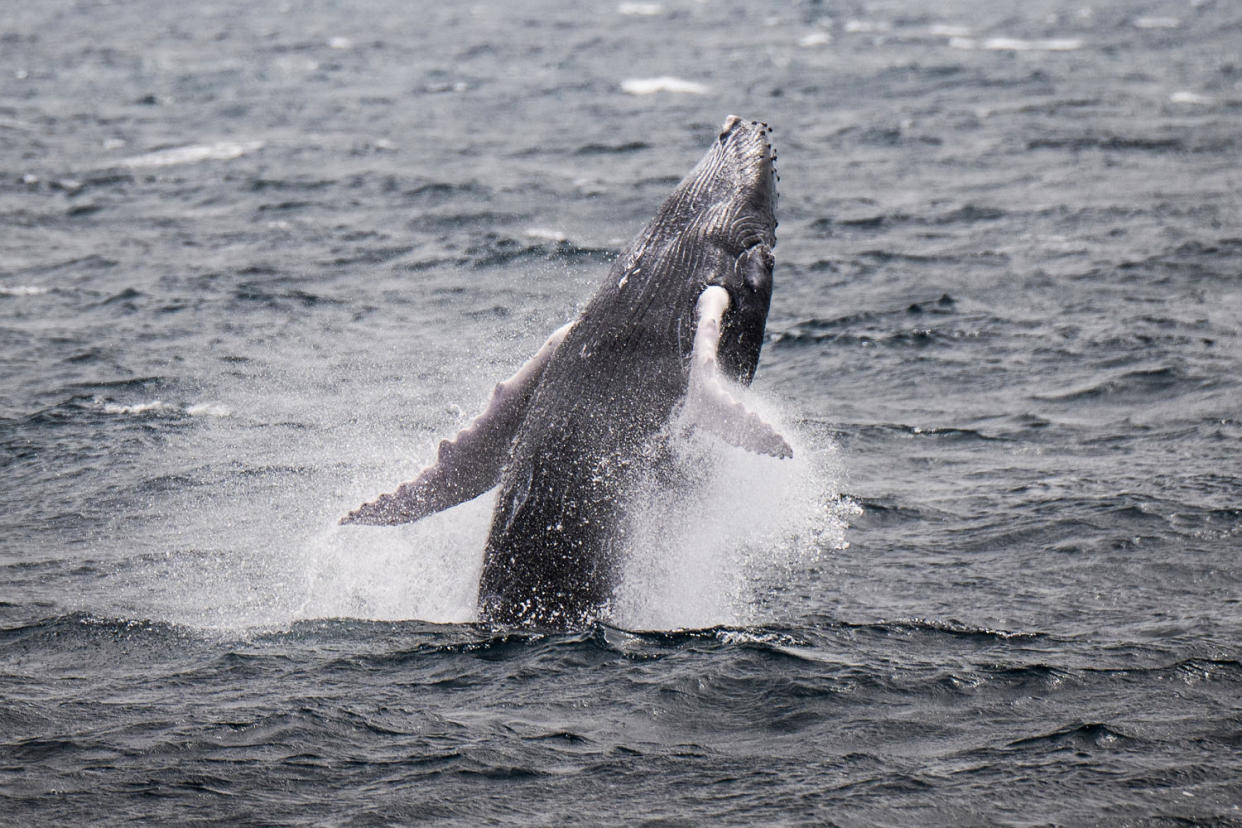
{"points": [[709, 400], [719, 412], [471, 462]]}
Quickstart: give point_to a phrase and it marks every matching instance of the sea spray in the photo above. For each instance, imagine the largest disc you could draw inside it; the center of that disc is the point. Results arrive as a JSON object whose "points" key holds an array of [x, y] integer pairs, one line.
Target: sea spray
{"points": [[733, 523], [427, 570], [709, 541]]}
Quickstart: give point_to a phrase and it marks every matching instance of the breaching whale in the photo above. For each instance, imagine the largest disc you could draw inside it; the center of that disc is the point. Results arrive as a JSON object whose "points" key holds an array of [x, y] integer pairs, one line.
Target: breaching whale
{"points": [[678, 319]]}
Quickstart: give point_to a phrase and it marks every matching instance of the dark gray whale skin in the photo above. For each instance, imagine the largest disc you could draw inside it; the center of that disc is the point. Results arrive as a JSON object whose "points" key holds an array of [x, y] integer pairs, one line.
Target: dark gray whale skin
{"points": [[567, 444]]}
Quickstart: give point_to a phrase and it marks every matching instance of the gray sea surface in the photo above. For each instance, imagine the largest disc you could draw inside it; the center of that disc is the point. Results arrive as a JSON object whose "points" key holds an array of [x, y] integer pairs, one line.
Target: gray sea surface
{"points": [[256, 259]]}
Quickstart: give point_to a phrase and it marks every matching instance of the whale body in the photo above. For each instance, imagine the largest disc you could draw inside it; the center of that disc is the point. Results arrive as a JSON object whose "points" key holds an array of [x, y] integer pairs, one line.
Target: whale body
{"points": [[676, 322]]}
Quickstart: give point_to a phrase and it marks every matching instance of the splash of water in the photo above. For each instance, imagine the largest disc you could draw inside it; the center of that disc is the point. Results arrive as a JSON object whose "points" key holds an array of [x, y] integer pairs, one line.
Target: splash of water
{"points": [[428, 570], [261, 548], [737, 521]]}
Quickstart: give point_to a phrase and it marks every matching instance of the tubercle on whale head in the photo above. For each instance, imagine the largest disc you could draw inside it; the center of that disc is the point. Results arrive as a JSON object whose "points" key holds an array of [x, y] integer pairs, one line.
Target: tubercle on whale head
{"points": [[750, 163], [725, 205]]}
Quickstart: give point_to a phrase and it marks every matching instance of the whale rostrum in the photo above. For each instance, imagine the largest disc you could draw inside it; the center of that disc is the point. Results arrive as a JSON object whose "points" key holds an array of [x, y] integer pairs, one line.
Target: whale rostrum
{"points": [[675, 325]]}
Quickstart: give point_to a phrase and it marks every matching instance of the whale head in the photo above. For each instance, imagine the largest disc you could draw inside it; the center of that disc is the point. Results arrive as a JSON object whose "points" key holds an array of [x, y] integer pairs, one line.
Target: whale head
{"points": [[717, 228], [735, 224]]}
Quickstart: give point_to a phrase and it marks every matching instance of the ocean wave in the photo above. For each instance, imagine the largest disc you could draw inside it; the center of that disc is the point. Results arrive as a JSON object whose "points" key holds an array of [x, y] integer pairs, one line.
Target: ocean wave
{"points": [[192, 154], [1157, 23], [1016, 44], [1146, 384], [1077, 734], [664, 83], [153, 407], [908, 627], [159, 407], [1185, 96], [640, 9]]}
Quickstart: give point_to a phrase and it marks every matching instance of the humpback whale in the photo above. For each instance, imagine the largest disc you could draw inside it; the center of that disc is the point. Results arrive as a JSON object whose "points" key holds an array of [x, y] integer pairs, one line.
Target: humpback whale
{"points": [[676, 323]]}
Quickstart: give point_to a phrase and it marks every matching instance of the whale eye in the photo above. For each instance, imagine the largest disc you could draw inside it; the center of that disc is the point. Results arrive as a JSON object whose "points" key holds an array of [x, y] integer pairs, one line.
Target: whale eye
{"points": [[757, 269]]}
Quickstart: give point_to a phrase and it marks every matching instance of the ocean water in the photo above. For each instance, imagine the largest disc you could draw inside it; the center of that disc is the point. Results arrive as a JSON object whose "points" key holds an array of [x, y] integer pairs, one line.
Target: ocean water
{"points": [[256, 259]]}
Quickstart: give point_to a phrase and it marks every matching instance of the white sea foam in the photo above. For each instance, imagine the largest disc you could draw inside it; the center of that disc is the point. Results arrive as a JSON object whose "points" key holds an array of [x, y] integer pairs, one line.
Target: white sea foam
{"points": [[205, 409], [640, 9], [22, 290], [155, 406], [819, 38], [545, 234], [208, 409], [192, 154], [664, 83], [1157, 23], [868, 26], [948, 30], [1185, 96], [1014, 44]]}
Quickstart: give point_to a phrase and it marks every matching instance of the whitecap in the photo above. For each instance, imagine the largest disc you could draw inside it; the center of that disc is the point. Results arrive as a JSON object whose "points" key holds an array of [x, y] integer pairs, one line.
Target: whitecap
{"points": [[640, 9], [157, 406], [1185, 96], [867, 26], [545, 234], [340, 43], [193, 153], [22, 290], [664, 83], [1014, 44], [947, 30], [1157, 23], [208, 409], [820, 38]]}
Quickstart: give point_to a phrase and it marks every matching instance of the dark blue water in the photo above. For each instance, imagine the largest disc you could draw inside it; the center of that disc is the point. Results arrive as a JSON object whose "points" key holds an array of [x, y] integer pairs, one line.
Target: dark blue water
{"points": [[256, 259]]}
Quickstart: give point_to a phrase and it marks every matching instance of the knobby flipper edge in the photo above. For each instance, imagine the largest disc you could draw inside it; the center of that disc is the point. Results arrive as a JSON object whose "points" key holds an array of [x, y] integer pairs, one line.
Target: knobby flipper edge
{"points": [[472, 461], [709, 401]]}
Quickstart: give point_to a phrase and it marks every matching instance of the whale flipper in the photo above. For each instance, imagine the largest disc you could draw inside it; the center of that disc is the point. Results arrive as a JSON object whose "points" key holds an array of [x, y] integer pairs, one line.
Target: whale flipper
{"points": [[471, 462], [708, 400]]}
